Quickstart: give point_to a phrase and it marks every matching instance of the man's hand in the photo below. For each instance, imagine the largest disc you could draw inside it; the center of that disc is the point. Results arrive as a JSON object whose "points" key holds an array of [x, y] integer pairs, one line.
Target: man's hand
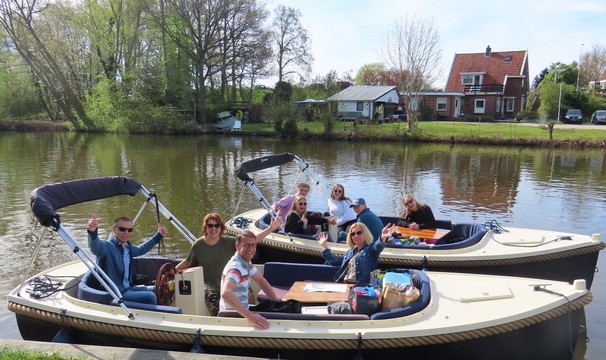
{"points": [[276, 223], [162, 230], [258, 321], [92, 225]]}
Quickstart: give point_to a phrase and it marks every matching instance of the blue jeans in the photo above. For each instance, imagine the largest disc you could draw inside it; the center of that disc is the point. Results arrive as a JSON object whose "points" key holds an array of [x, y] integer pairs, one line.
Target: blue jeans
{"points": [[141, 294]]}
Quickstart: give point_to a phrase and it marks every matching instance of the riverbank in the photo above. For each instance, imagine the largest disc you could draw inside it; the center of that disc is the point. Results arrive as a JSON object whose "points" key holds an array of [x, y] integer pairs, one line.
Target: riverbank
{"points": [[21, 349], [532, 133]]}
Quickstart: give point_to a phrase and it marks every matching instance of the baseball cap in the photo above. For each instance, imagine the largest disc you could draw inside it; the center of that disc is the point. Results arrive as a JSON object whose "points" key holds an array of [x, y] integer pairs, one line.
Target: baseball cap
{"points": [[359, 201]]}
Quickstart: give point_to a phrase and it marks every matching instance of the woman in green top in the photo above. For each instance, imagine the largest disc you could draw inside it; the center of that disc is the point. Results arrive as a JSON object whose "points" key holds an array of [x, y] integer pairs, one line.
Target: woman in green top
{"points": [[212, 251]]}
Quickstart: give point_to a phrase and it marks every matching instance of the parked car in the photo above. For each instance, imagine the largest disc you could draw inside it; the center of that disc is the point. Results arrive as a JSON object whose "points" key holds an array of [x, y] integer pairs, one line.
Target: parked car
{"points": [[598, 117], [573, 116]]}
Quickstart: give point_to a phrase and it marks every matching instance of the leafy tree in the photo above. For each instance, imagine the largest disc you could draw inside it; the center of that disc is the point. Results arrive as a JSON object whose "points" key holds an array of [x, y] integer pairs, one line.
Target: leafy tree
{"points": [[42, 36], [370, 74], [282, 92], [291, 42]]}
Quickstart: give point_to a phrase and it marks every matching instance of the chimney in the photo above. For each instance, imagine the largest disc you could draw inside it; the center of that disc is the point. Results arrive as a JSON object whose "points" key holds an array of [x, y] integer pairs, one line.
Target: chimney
{"points": [[487, 54]]}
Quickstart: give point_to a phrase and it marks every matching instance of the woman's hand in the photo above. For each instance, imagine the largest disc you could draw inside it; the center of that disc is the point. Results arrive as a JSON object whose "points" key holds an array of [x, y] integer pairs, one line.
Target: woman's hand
{"points": [[387, 231], [323, 239]]}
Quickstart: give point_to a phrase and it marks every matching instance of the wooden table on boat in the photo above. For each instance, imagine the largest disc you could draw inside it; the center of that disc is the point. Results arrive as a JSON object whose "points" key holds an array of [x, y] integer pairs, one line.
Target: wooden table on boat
{"points": [[317, 292], [431, 235]]}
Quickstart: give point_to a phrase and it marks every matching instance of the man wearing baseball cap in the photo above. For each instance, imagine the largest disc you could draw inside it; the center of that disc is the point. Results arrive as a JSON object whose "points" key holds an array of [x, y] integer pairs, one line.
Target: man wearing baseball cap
{"points": [[367, 217]]}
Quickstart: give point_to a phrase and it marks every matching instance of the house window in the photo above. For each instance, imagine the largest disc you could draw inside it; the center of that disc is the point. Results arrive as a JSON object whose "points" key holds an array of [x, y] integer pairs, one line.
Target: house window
{"points": [[471, 79], [359, 106], [509, 104], [479, 106], [441, 104]]}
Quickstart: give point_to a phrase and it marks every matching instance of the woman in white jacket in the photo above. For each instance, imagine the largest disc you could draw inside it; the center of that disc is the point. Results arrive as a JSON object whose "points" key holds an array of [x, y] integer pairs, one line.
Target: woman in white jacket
{"points": [[338, 207]]}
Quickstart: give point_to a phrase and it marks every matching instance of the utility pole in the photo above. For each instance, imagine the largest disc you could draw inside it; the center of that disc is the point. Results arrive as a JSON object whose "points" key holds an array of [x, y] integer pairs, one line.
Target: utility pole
{"points": [[579, 66]]}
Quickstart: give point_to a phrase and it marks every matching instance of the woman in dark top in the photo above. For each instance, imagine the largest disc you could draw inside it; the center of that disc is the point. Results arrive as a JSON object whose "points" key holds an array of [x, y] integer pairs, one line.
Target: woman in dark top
{"points": [[416, 215], [297, 220]]}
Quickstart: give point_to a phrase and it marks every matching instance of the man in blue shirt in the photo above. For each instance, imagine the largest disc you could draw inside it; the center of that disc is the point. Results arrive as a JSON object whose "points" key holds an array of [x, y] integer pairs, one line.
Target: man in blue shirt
{"points": [[368, 218], [115, 256]]}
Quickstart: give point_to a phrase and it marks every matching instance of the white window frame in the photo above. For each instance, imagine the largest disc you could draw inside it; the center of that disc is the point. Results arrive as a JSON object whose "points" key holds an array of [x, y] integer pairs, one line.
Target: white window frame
{"points": [[477, 109], [509, 104], [472, 79], [441, 104]]}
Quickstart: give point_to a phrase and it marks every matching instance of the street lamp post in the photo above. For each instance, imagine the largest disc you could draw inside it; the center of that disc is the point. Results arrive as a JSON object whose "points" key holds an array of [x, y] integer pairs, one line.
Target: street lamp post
{"points": [[556, 70], [579, 66]]}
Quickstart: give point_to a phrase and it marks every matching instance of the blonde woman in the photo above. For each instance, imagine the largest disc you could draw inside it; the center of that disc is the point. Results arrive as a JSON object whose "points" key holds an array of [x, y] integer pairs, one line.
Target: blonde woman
{"points": [[416, 214], [362, 257], [339, 206], [298, 221]]}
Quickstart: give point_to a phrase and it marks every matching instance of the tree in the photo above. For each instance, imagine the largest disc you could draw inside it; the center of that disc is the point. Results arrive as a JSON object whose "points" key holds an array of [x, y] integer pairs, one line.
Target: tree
{"points": [[44, 42], [593, 64], [370, 74], [292, 44], [413, 51]]}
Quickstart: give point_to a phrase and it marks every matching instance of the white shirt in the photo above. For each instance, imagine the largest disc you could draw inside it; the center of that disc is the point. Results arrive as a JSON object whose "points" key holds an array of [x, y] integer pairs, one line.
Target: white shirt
{"points": [[341, 211]]}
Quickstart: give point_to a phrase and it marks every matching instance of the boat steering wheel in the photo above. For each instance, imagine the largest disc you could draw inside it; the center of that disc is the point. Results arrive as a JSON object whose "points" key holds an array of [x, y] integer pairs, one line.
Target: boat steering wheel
{"points": [[165, 285]]}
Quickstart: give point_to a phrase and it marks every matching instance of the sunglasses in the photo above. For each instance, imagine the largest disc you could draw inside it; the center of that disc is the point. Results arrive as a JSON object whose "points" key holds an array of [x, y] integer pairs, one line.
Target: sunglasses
{"points": [[409, 202], [216, 226], [123, 229], [359, 232], [338, 191], [302, 203]]}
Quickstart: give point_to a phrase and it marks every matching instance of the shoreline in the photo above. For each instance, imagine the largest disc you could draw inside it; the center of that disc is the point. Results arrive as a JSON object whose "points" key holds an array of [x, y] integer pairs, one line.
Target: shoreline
{"points": [[359, 135]]}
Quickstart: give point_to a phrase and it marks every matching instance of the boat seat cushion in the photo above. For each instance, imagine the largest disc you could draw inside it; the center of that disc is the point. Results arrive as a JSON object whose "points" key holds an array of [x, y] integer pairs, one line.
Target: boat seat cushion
{"points": [[422, 283], [463, 235], [291, 316], [89, 289], [281, 274]]}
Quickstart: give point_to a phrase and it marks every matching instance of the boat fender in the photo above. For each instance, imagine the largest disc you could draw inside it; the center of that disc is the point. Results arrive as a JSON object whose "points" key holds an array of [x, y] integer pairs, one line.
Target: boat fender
{"points": [[197, 348]]}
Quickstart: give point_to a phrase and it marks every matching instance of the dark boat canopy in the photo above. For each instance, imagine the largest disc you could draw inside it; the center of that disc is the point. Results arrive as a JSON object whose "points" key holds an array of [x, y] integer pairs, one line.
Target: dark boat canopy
{"points": [[262, 163], [46, 199]]}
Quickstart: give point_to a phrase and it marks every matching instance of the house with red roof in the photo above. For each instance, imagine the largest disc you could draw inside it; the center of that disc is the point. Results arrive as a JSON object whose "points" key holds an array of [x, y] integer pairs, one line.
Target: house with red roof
{"points": [[491, 84]]}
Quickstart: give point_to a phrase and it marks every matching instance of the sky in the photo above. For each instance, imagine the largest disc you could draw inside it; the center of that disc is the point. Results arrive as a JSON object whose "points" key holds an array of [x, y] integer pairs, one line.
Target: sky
{"points": [[347, 34]]}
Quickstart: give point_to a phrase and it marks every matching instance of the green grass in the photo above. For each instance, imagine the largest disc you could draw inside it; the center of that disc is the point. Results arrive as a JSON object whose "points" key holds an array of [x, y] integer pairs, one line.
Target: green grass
{"points": [[448, 129], [6, 353]]}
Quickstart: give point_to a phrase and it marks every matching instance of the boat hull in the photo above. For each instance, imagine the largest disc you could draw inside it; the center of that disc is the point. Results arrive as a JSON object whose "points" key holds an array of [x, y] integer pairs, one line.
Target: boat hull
{"points": [[547, 342], [521, 252], [564, 266]]}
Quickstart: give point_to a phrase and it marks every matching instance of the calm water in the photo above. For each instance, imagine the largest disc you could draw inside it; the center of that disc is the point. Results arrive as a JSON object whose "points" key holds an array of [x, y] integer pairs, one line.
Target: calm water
{"points": [[550, 189]]}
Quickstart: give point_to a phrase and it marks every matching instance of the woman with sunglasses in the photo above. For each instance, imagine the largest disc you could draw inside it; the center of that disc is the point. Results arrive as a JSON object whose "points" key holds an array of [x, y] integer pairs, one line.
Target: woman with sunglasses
{"points": [[416, 215], [339, 206], [212, 251], [298, 221], [362, 257]]}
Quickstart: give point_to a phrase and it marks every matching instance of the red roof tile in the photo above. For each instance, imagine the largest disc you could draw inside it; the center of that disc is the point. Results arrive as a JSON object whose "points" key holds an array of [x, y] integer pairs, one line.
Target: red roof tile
{"points": [[494, 67]]}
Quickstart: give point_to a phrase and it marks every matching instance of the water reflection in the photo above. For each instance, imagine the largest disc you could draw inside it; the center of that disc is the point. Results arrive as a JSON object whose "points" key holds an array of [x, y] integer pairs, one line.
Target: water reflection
{"points": [[558, 189]]}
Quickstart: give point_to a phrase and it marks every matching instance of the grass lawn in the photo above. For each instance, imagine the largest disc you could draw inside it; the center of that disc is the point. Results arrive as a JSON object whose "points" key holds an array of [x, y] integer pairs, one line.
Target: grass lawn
{"points": [[447, 129]]}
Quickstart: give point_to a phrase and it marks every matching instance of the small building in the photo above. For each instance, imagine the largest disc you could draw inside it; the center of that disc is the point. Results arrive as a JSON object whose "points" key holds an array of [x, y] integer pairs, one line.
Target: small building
{"points": [[494, 84], [365, 101]]}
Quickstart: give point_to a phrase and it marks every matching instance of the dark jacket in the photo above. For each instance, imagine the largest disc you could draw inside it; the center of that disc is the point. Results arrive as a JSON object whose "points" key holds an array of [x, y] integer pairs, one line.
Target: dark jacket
{"points": [[423, 217], [294, 224]]}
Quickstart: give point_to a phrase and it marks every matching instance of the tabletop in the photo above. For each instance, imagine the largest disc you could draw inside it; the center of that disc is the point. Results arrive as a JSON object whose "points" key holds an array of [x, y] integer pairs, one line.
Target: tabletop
{"points": [[317, 292], [431, 234]]}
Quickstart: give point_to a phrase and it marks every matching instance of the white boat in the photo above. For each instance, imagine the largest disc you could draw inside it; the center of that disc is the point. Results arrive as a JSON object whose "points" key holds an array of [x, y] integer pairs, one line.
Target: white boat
{"points": [[466, 316], [487, 248]]}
